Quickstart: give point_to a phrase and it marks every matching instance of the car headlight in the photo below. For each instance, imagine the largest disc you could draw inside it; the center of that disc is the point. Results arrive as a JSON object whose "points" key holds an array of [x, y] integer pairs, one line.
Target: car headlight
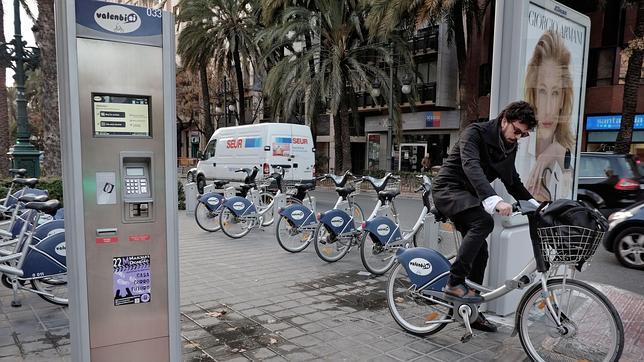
{"points": [[619, 216]]}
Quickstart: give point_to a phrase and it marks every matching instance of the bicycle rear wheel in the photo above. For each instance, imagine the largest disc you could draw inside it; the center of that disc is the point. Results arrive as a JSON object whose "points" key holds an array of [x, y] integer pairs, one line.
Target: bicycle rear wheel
{"points": [[376, 258], [53, 293], [290, 237], [414, 312], [233, 226], [206, 219], [330, 248], [591, 328]]}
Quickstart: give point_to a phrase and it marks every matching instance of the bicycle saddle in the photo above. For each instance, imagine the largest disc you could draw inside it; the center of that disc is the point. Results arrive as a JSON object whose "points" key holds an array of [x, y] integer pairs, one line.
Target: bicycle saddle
{"points": [[32, 198], [18, 171], [388, 195], [31, 182], [246, 187], [438, 216], [304, 187], [220, 183], [378, 184], [344, 191], [48, 207]]}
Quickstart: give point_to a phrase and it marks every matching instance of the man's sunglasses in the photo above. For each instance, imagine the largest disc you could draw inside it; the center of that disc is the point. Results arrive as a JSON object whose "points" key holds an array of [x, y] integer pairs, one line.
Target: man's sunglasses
{"points": [[518, 131]]}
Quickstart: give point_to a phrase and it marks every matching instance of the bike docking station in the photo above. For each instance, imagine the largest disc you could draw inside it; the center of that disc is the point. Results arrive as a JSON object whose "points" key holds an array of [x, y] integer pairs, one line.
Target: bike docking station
{"points": [[520, 25], [116, 71]]}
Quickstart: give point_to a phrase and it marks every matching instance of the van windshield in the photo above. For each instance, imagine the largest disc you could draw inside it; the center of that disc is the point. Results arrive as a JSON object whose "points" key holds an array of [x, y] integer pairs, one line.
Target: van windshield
{"points": [[209, 152]]}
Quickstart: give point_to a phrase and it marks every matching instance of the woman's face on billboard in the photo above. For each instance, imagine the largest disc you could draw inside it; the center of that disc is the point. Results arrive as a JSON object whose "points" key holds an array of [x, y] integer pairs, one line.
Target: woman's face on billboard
{"points": [[549, 97]]}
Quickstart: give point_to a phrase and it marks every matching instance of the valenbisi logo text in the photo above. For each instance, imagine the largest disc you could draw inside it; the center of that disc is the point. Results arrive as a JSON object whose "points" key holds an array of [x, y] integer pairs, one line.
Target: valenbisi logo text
{"points": [[117, 19], [420, 266]]}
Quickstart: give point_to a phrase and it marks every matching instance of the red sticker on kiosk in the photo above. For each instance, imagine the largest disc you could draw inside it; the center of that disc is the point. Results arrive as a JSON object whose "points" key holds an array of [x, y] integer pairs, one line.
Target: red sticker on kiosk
{"points": [[141, 237], [107, 240]]}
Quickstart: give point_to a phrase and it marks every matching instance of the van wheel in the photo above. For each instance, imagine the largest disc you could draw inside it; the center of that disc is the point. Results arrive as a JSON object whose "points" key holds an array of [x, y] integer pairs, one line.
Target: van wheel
{"points": [[201, 183]]}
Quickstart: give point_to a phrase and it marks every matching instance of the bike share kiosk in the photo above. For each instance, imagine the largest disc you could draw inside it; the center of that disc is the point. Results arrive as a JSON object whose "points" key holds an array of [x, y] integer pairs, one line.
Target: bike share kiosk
{"points": [[116, 68]]}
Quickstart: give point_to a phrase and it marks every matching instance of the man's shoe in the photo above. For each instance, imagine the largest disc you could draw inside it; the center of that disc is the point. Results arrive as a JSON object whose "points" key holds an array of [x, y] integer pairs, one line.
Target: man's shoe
{"points": [[482, 324], [462, 293]]}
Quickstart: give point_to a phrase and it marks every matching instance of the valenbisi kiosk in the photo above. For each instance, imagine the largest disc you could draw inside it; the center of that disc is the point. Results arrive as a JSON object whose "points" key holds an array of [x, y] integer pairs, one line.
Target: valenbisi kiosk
{"points": [[116, 69]]}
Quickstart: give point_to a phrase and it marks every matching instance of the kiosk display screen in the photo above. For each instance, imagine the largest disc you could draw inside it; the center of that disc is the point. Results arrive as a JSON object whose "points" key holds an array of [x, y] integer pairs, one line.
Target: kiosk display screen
{"points": [[117, 115]]}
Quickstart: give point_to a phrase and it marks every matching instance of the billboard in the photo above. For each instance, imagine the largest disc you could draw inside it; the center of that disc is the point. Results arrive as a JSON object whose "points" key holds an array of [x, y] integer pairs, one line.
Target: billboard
{"points": [[552, 59]]}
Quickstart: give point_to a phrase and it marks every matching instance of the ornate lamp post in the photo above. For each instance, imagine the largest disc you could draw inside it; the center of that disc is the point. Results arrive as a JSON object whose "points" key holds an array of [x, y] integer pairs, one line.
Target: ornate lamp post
{"points": [[20, 58]]}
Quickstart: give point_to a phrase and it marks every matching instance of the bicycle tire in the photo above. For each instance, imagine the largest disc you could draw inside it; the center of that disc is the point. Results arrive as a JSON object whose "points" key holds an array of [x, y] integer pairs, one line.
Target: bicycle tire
{"points": [[587, 344], [357, 214], [58, 291], [284, 226], [371, 251], [203, 215], [265, 199], [226, 218], [410, 309], [324, 246]]}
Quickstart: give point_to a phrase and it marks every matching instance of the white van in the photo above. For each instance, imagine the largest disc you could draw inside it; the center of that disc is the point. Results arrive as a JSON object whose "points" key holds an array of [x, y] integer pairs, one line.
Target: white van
{"points": [[263, 145]]}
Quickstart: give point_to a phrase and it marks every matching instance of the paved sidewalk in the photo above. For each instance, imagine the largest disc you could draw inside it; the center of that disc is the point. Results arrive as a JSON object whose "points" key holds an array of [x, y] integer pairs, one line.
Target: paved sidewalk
{"points": [[248, 299]]}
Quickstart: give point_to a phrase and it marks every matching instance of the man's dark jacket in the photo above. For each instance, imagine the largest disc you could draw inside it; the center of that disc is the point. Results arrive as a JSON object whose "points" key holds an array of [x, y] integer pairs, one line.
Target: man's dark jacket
{"points": [[479, 157]]}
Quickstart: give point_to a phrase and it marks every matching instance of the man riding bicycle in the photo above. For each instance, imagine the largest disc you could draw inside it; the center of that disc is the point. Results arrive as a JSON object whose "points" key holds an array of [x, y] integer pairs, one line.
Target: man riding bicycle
{"points": [[485, 152]]}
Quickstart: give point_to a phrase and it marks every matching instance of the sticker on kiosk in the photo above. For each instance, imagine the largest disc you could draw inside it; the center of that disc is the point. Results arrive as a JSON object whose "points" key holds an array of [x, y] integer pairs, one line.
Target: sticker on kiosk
{"points": [[131, 279]]}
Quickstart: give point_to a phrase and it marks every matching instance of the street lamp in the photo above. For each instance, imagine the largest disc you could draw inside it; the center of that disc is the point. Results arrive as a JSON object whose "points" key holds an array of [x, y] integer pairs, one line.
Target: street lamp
{"points": [[23, 153], [375, 92]]}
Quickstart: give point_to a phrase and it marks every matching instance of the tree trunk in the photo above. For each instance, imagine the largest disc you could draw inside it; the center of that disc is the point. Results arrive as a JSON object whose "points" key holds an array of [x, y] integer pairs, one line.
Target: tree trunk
{"points": [[240, 85], [4, 111], [314, 103], [46, 41], [345, 133], [461, 56], [337, 135], [631, 87], [209, 128]]}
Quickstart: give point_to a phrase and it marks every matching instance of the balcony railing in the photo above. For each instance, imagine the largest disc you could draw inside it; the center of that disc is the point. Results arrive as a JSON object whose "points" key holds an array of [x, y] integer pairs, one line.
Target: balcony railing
{"points": [[426, 94], [424, 43]]}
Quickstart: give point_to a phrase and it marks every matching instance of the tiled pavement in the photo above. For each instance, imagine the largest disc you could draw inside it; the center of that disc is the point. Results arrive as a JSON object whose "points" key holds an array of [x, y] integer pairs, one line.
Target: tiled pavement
{"points": [[248, 299]]}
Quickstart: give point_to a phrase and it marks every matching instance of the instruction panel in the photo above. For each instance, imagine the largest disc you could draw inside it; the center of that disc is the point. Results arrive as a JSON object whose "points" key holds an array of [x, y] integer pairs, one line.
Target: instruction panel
{"points": [[121, 115]]}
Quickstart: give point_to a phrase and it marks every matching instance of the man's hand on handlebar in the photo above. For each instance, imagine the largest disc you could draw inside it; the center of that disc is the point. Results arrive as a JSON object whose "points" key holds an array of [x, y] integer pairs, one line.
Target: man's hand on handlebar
{"points": [[503, 208]]}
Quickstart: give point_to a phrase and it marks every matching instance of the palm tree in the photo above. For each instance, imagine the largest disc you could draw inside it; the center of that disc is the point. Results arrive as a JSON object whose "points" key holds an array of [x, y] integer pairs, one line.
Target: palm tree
{"points": [[230, 27], [4, 112], [44, 31], [632, 84], [195, 48], [345, 62], [387, 15]]}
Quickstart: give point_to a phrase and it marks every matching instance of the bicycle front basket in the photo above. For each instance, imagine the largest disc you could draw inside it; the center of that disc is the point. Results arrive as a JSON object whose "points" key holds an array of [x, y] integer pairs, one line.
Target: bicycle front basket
{"points": [[567, 244]]}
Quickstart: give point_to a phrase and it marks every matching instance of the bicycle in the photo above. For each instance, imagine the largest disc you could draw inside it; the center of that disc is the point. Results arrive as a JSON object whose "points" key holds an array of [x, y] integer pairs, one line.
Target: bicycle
{"points": [[297, 223], [337, 231], [558, 318], [382, 236], [241, 214], [41, 263]]}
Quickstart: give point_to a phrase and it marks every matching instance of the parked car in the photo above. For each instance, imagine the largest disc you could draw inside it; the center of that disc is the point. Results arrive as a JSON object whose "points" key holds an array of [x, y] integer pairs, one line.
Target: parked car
{"points": [[625, 236], [609, 181]]}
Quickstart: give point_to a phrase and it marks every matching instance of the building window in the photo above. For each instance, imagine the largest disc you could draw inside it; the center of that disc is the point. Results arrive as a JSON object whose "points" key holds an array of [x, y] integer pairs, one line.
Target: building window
{"points": [[373, 152], [426, 72]]}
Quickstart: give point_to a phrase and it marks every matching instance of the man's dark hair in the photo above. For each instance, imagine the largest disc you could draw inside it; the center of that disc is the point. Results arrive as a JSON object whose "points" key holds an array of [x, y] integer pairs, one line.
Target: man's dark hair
{"points": [[520, 111]]}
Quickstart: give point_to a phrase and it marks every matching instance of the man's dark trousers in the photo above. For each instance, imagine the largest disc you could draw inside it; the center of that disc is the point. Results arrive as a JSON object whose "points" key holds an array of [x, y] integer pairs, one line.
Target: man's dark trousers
{"points": [[475, 224]]}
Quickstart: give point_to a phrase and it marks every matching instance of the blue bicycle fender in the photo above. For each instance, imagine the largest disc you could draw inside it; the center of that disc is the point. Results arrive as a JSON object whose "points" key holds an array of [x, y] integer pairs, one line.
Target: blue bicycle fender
{"points": [[48, 228], [337, 221], [298, 215], [48, 257], [383, 230], [240, 206], [212, 200], [423, 265]]}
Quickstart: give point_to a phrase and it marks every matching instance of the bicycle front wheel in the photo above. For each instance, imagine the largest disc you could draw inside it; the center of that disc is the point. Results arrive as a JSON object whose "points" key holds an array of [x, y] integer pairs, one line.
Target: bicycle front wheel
{"points": [[290, 237], [416, 313], [330, 248], [265, 200], [53, 293], [233, 226], [206, 219], [591, 329], [376, 258]]}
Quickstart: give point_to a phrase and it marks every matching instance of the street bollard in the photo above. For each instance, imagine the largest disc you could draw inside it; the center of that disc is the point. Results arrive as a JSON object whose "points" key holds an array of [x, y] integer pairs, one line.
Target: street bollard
{"points": [[190, 190]]}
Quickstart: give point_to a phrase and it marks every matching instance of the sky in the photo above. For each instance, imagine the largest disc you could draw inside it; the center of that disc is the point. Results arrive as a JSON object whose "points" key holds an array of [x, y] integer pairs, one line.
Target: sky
{"points": [[26, 25]]}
